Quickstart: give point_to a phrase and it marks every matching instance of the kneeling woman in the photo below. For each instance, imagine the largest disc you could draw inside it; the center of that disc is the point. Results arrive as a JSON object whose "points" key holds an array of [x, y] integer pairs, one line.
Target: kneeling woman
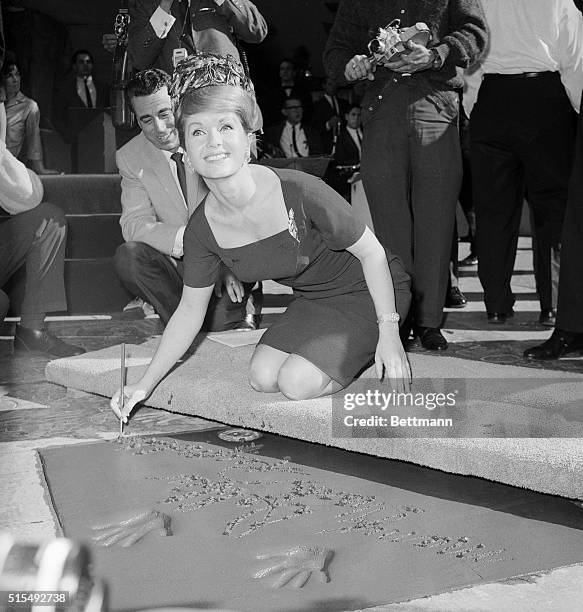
{"points": [[288, 226]]}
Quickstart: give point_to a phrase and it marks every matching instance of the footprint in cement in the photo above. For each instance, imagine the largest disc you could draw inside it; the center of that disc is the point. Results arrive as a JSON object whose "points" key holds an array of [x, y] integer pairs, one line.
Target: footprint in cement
{"points": [[295, 566], [132, 530]]}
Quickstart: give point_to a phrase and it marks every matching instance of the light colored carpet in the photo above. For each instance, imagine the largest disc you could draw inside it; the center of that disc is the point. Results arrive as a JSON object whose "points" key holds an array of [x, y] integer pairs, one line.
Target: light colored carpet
{"points": [[213, 384]]}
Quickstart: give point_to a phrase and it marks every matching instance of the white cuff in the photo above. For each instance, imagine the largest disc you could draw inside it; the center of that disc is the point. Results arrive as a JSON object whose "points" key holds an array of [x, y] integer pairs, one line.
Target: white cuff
{"points": [[162, 21], [178, 248]]}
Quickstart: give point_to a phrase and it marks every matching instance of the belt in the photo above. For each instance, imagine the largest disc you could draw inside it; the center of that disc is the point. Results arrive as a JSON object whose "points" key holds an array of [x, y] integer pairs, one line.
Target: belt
{"points": [[520, 75]]}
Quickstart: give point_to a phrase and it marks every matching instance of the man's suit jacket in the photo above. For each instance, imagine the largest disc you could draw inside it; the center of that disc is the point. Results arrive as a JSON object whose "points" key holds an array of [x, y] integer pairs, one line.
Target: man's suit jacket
{"points": [[213, 30], [66, 97], [272, 137], [346, 152], [153, 208], [322, 113], [272, 96]]}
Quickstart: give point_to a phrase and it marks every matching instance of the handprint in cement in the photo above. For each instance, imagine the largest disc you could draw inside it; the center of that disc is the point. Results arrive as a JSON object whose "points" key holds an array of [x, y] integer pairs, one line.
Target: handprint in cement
{"points": [[295, 566], [129, 531]]}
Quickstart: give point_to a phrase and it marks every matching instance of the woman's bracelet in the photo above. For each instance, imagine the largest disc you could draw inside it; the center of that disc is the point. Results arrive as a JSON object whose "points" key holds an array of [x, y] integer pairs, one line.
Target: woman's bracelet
{"points": [[391, 317]]}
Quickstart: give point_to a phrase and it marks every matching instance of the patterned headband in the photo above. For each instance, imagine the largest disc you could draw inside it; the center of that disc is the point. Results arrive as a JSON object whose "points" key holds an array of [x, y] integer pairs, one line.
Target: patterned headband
{"points": [[205, 69]]}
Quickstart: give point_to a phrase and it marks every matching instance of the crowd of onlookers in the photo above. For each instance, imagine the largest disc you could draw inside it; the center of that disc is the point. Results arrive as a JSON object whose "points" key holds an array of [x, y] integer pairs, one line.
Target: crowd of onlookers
{"points": [[485, 113]]}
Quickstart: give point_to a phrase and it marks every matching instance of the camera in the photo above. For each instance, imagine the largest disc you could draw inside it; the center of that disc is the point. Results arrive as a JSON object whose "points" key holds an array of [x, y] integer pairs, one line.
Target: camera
{"points": [[391, 41]]}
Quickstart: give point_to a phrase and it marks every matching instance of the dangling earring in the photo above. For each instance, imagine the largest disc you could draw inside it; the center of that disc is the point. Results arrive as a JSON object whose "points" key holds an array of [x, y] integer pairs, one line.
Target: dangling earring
{"points": [[248, 157], [188, 163]]}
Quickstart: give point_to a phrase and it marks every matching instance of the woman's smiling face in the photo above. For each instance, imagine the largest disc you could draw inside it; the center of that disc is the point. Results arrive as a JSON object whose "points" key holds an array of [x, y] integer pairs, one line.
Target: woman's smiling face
{"points": [[216, 143]]}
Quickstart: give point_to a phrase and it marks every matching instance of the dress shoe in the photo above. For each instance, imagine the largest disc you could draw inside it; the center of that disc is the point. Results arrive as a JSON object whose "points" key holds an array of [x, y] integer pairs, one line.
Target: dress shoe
{"points": [[470, 260], [560, 343], [500, 317], [455, 298], [248, 323], [432, 339], [548, 317], [41, 341]]}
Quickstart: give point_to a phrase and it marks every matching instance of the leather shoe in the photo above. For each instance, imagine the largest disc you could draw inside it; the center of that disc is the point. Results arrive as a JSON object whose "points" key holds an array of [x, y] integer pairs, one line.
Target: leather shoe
{"points": [[470, 260], [248, 323], [548, 317], [41, 341], [432, 338], [455, 298], [499, 317], [560, 343]]}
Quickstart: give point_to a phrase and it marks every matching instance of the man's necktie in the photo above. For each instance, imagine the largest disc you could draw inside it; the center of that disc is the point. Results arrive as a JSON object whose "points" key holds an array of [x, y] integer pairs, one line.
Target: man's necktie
{"points": [[295, 142], [177, 157], [88, 95]]}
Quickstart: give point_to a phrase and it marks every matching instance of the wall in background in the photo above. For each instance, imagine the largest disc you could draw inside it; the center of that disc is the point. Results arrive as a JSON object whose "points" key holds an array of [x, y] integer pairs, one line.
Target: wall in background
{"points": [[293, 24]]}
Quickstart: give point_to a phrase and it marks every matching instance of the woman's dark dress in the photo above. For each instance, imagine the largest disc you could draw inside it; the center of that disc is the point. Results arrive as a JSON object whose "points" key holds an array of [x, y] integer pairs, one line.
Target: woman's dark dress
{"points": [[332, 320]]}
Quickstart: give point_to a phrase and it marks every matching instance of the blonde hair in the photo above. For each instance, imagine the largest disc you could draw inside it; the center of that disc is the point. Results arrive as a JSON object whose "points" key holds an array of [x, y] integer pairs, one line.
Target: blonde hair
{"points": [[219, 98]]}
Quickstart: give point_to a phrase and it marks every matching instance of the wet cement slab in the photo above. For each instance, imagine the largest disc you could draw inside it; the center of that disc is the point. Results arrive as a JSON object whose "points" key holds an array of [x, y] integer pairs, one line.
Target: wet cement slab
{"points": [[285, 525]]}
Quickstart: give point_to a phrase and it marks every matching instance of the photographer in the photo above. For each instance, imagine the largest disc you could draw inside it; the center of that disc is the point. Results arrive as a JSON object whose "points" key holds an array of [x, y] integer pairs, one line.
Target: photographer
{"points": [[411, 163], [158, 27]]}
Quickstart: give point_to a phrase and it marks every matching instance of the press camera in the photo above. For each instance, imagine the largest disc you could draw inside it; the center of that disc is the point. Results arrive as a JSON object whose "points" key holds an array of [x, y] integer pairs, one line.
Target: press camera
{"points": [[392, 41]]}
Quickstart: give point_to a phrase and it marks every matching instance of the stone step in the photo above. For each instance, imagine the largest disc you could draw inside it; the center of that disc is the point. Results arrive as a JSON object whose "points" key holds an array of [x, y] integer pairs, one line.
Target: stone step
{"points": [[84, 193]]}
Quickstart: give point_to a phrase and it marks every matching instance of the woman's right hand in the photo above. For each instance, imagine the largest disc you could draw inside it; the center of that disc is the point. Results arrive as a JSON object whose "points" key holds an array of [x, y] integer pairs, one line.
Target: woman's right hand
{"points": [[133, 394]]}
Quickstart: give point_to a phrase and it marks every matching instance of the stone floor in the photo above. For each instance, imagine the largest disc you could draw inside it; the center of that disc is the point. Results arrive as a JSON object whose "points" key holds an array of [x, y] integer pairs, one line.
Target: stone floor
{"points": [[37, 414]]}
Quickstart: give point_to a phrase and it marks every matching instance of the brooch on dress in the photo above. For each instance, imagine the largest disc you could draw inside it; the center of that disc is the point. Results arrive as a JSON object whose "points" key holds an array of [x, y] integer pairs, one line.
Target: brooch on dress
{"points": [[292, 227]]}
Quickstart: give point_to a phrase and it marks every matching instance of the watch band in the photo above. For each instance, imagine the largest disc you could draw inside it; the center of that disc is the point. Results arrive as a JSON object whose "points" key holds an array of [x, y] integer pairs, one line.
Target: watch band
{"points": [[391, 317]]}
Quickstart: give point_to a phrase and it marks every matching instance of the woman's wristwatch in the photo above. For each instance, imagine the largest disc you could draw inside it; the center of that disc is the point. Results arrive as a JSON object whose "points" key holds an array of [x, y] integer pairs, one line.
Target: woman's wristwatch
{"points": [[391, 317]]}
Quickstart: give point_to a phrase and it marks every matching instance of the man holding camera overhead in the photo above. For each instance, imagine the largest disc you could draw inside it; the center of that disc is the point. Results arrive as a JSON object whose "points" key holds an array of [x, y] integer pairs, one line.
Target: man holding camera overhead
{"points": [[411, 164]]}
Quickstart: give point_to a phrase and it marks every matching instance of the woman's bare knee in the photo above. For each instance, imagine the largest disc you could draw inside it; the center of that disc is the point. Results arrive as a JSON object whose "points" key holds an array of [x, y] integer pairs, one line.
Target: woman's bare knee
{"points": [[263, 379], [298, 379], [264, 369]]}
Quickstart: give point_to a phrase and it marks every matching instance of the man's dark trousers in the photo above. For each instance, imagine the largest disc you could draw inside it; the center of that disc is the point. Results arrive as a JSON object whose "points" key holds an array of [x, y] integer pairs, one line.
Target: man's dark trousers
{"points": [[36, 239], [154, 277], [411, 167], [522, 132], [570, 306]]}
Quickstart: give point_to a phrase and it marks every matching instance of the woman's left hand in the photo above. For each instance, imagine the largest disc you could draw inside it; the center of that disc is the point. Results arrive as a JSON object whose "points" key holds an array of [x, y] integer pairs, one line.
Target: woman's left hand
{"points": [[390, 356]]}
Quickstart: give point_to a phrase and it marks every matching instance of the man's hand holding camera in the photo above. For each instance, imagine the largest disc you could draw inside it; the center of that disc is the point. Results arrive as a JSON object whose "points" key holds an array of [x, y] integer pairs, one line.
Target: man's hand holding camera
{"points": [[418, 58], [359, 67]]}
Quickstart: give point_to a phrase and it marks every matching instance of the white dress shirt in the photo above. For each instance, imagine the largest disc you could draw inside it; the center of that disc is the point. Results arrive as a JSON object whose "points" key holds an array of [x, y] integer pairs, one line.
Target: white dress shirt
{"points": [[92, 91], [333, 102], [531, 36], [162, 22], [286, 141], [178, 249]]}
